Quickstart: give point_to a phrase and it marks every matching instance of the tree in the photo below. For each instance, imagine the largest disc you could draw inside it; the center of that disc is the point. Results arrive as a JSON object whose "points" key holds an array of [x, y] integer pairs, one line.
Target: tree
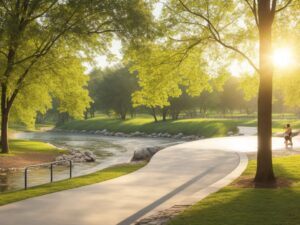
{"points": [[215, 26], [31, 30], [112, 90], [231, 98], [181, 103]]}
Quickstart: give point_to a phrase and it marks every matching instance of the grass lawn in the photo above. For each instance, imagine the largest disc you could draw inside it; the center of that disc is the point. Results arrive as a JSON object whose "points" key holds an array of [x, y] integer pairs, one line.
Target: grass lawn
{"points": [[93, 178], [18, 146], [247, 206], [201, 127]]}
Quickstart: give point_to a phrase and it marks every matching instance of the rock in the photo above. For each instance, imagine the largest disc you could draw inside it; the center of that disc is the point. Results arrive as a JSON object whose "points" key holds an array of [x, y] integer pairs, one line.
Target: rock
{"points": [[190, 138], [178, 136], [229, 133], [142, 154], [59, 158], [153, 150], [119, 134], [77, 156], [145, 153], [136, 134]]}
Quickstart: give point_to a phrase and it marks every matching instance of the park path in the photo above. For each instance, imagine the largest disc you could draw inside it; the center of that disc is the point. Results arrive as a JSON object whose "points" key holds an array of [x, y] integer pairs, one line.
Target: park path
{"points": [[179, 174]]}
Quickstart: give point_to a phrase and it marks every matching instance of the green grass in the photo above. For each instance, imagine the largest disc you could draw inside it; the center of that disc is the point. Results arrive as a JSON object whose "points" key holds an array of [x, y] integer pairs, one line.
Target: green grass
{"points": [[248, 206], [19, 146], [201, 127], [93, 178]]}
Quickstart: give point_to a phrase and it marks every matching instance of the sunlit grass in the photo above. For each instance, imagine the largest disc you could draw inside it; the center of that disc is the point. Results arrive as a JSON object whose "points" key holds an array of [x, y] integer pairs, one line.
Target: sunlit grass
{"points": [[18, 146], [201, 127], [197, 126], [248, 206], [93, 178]]}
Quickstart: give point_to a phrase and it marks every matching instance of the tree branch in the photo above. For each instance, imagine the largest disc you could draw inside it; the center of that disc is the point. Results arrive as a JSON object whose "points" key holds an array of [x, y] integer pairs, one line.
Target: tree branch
{"points": [[6, 7], [43, 12], [283, 7], [217, 37], [253, 9], [18, 85]]}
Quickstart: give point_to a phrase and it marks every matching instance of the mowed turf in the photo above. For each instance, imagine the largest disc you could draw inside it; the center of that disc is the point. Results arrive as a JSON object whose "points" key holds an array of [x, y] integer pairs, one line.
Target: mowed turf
{"points": [[248, 206], [19, 146], [200, 127]]}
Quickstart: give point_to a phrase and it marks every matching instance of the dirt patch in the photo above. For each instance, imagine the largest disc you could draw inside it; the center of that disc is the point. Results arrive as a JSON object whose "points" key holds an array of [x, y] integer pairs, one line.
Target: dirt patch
{"points": [[248, 182], [162, 217], [26, 159]]}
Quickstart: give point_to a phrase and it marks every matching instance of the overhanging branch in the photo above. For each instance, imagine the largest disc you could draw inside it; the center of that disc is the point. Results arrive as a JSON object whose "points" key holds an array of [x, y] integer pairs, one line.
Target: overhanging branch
{"points": [[216, 34], [283, 7]]}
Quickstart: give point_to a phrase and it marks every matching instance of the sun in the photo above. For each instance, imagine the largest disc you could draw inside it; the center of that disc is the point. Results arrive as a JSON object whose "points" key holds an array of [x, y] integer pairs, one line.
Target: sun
{"points": [[282, 57]]}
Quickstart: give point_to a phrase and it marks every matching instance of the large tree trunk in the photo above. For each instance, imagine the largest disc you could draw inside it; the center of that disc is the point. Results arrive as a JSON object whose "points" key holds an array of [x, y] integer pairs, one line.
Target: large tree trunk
{"points": [[4, 121], [264, 172]]}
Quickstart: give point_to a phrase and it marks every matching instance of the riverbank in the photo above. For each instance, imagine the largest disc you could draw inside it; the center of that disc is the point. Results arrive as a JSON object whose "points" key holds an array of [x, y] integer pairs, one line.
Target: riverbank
{"points": [[24, 153], [199, 127]]}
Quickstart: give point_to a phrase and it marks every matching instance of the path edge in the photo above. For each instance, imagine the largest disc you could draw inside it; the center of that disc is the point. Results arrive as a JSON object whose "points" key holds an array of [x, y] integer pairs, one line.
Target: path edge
{"points": [[225, 181]]}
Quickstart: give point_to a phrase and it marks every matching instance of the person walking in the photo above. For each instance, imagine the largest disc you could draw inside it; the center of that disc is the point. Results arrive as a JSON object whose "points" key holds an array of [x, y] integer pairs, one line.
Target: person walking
{"points": [[288, 136]]}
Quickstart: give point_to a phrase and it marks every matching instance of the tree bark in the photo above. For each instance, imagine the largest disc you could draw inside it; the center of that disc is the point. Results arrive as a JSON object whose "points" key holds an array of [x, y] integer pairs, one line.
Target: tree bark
{"points": [[164, 113], [154, 114], [4, 121], [264, 173]]}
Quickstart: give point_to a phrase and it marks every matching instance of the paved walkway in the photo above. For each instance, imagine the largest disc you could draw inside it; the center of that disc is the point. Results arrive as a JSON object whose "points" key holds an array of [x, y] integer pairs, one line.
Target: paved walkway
{"points": [[177, 174]]}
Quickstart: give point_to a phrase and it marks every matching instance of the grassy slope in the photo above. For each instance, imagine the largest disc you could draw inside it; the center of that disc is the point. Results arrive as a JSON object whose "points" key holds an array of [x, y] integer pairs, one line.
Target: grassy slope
{"points": [[18, 146], [93, 178], [247, 206], [202, 127]]}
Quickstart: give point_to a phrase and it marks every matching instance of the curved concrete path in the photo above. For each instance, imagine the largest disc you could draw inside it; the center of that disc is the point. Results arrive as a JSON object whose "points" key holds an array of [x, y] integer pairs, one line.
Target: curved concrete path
{"points": [[184, 173]]}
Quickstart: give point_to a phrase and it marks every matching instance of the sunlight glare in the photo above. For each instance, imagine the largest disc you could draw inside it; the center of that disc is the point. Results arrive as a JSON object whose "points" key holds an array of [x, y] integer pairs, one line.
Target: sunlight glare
{"points": [[282, 57]]}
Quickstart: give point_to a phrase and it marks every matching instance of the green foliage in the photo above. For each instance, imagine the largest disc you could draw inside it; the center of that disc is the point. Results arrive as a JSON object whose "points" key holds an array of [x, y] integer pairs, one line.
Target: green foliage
{"points": [[112, 90], [43, 42], [233, 205], [97, 177], [161, 72], [63, 80]]}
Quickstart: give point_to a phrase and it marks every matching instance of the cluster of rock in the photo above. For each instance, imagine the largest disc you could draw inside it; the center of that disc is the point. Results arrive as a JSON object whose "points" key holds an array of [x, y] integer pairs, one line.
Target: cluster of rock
{"points": [[145, 154], [78, 156], [105, 132], [6, 170]]}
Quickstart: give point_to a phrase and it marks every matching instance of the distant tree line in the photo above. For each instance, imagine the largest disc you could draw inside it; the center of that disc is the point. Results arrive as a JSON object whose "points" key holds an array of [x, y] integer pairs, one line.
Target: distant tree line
{"points": [[112, 89]]}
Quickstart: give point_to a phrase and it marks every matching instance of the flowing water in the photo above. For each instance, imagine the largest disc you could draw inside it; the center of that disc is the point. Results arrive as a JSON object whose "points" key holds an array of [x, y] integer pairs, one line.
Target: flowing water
{"points": [[109, 151]]}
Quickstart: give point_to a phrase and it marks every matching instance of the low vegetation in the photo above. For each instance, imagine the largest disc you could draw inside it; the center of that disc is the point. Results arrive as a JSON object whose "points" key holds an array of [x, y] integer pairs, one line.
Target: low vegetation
{"points": [[248, 206], [19, 146], [201, 127], [93, 178]]}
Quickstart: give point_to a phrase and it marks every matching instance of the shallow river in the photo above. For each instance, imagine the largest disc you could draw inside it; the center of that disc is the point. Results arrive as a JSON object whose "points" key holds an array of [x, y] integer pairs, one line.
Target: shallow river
{"points": [[109, 151]]}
